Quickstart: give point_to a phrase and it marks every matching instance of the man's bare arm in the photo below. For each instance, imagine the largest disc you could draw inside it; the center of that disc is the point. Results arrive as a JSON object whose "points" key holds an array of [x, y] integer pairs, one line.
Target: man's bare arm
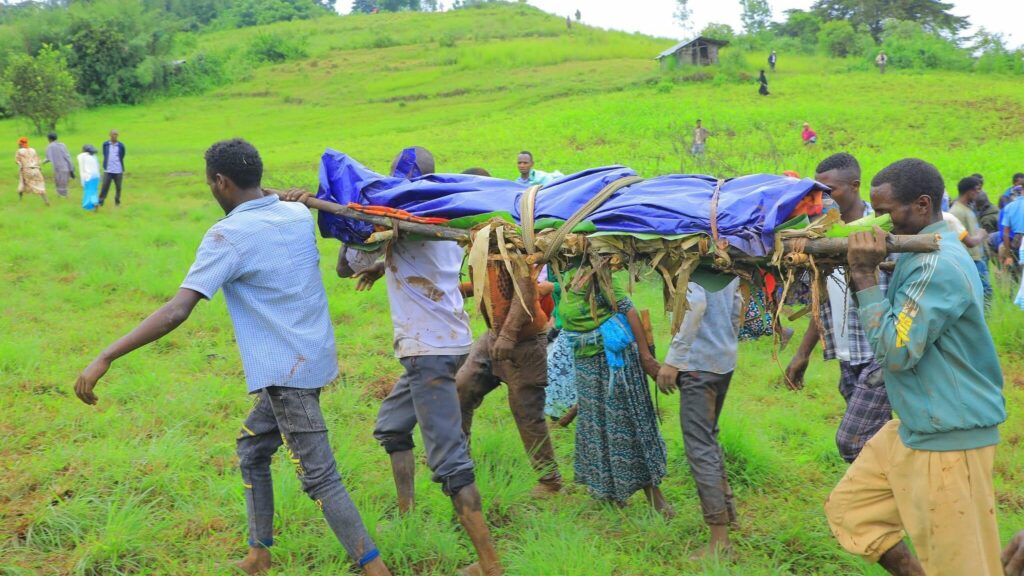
{"points": [[156, 326]]}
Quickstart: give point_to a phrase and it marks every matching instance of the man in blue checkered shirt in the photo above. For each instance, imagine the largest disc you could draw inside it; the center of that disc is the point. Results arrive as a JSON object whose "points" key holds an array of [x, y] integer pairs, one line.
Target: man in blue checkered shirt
{"points": [[263, 254], [860, 377]]}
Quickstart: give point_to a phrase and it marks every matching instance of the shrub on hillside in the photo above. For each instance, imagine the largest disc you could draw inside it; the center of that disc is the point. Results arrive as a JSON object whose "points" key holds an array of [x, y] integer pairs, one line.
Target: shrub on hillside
{"points": [[837, 38], [41, 89], [197, 75], [273, 47], [908, 45]]}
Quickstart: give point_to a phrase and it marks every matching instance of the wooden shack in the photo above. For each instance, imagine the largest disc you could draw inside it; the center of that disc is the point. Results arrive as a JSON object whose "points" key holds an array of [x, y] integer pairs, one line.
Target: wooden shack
{"points": [[701, 51]]}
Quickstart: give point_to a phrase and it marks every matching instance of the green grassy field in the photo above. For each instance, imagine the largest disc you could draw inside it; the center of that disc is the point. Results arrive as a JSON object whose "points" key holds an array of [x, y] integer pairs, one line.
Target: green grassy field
{"points": [[146, 482]]}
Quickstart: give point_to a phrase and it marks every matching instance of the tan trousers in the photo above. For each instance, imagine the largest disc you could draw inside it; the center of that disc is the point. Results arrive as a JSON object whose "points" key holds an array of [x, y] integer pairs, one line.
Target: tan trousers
{"points": [[943, 500]]}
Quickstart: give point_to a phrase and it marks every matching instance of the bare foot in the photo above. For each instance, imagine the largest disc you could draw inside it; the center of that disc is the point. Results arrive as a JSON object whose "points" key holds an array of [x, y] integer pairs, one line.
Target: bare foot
{"points": [[719, 546], [475, 569], [657, 500], [545, 490], [257, 561]]}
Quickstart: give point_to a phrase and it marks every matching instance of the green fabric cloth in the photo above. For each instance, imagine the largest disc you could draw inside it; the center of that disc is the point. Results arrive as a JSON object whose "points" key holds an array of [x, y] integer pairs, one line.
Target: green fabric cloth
{"points": [[574, 307]]}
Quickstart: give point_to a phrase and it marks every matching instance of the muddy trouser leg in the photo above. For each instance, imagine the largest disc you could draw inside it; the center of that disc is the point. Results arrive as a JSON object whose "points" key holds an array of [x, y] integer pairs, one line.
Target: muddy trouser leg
{"points": [[701, 397], [526, 374], [304, 434], [436, 403], [474, 381], [256, 444], [867, 407], [396, 418]]}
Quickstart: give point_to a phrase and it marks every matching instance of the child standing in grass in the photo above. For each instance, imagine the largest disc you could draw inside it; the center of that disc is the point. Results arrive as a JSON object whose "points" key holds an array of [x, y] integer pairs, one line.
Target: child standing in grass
{"points": [[263, 254], [700, 363]]}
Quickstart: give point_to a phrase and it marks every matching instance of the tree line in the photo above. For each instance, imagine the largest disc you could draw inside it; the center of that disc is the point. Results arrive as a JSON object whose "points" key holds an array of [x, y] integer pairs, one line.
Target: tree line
{"points": [[917, 34]]}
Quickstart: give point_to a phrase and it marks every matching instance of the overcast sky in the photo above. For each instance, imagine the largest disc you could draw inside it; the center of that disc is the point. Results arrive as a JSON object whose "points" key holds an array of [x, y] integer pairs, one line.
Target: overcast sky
{"points": [[654, 17]]}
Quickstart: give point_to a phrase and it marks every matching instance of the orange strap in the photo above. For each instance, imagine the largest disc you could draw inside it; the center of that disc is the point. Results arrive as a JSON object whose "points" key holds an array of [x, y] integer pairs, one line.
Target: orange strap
{"points": [[395, 213]]}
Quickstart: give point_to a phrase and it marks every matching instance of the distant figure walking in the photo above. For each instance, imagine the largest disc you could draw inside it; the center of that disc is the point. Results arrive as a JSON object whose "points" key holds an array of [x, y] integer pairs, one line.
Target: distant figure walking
{"points": [[763, 90], [30, 178], [578, 15], [809, 136], [881, 60], [63, 170], [772, 59], [89, 174], [113, 167], [700, 138], [568, 23]]}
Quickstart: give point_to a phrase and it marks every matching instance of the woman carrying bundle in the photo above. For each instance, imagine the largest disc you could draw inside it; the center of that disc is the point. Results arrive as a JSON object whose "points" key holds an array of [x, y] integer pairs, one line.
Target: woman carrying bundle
{"points": [[619, 449]]}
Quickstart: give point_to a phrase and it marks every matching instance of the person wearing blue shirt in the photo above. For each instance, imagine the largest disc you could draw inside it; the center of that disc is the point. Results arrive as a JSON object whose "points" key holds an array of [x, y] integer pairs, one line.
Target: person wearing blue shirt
{"points": [[263, 254]]}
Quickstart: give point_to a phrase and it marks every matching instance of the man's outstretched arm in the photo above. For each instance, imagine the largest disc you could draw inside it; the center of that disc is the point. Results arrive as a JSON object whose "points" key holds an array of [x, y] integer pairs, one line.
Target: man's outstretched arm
{"points": [[156, 326]]}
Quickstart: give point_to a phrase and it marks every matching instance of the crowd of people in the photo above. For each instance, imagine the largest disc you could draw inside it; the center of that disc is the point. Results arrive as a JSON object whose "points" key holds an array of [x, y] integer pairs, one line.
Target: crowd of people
{"points": [[914, 339], [95, 183]]}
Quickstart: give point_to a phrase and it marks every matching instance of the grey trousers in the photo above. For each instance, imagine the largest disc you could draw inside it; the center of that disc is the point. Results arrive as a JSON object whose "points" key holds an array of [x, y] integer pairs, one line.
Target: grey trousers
{"points": [[292, 417], [701, 397], [426, 394]]}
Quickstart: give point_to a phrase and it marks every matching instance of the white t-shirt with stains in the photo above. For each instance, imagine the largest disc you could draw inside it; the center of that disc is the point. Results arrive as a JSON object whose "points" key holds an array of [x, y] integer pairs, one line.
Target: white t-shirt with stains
{"points": [[423, 289]]}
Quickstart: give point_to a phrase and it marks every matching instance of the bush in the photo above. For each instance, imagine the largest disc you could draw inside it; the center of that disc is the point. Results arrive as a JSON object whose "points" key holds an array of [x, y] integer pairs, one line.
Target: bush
{"points": [[197, 75], [42, 88], [837, 38], [273, 47], [908, 45], [447, 40]]}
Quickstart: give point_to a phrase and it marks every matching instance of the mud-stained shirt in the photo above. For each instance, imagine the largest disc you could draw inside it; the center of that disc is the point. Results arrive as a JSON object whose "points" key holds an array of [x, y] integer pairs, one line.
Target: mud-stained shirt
{"points": [[427, 309]]}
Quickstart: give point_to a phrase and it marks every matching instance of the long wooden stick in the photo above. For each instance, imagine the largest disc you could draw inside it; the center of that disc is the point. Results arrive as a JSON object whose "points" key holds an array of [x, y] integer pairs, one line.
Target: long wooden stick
{"points": [[815, 246], [428, 230]]}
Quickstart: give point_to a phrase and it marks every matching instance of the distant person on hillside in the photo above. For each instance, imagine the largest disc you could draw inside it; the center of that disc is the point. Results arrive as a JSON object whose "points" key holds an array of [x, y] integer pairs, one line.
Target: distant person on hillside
{"points": [[578, 15], [30, 178], [927, 474], [969, 188], [89, 174], [700, 138], [113, 167], [63, 170], [772, 59], [568, 23], [531, 177], [843, 337], [477, 172], [881, 61], [263, 254], [700, 363], [808, 135], [763, 81], [1013, 192]]}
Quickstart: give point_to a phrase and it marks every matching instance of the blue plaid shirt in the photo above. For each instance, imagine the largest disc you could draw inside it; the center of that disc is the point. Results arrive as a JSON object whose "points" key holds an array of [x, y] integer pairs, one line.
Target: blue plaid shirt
{"points": [[263, 254]]}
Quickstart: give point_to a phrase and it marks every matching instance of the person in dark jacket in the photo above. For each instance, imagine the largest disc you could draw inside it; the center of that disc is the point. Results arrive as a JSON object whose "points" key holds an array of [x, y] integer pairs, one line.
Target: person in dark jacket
{"points": [[763, 90], [113, 167]]}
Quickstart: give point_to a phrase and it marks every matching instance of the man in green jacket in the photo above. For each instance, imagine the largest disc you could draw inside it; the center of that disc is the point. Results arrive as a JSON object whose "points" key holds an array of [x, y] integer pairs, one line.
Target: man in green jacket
{"points": [[927, 474]]}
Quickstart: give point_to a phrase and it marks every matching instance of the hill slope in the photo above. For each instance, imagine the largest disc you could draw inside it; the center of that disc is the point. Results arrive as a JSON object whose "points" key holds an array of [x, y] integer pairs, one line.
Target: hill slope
{"points": [[147, 482]]}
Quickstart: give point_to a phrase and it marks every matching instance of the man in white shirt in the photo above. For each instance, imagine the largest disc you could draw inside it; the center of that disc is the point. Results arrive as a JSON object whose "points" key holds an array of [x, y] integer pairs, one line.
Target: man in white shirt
{"points": [[432, 340]]}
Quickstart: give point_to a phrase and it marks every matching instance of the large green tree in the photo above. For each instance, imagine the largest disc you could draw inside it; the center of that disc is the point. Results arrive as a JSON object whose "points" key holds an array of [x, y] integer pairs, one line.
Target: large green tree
{"points": [[756, 16], [41, 89], [933, 15]]}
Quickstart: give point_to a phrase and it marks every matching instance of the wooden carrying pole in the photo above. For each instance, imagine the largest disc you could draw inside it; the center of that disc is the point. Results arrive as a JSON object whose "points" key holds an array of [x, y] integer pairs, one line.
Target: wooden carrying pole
{"points": [[812, 246]]}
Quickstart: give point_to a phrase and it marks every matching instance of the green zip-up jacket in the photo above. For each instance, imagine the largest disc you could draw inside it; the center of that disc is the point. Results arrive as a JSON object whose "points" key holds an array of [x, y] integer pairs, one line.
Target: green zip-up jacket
{"points": [[929, 335]]}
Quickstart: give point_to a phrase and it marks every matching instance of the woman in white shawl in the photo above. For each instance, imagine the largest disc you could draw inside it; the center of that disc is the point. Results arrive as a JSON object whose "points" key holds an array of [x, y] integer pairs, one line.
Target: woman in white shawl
{"points": [[89, 172]]}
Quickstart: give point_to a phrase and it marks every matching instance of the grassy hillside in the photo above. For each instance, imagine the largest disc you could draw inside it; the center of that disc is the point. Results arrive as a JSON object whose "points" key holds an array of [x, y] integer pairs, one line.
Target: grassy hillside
{"points": [[146, 483]]}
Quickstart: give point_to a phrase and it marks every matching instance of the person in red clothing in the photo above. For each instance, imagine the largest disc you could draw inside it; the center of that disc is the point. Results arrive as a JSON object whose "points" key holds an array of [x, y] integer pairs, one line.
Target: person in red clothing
{"points": [[809, 136]]}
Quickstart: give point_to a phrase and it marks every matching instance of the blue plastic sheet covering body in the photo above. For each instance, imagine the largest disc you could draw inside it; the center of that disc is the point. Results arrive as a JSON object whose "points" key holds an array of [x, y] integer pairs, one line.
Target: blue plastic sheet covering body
{"points": [[748, 211]]}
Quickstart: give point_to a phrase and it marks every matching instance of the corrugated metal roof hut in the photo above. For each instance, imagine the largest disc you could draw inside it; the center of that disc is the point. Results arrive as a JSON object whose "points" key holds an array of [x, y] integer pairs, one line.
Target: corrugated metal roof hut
{"points": [[700, 51]]}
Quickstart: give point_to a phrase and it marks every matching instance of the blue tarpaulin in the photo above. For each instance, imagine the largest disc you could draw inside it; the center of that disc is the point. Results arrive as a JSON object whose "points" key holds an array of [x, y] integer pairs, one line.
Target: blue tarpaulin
{"points": [[749, 207]]}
